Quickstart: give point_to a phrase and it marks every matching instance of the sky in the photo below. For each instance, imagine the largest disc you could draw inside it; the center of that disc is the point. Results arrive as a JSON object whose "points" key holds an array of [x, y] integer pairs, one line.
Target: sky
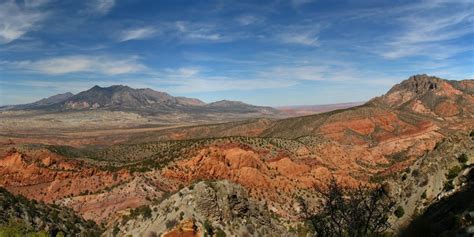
{"points": [[276, 53]]}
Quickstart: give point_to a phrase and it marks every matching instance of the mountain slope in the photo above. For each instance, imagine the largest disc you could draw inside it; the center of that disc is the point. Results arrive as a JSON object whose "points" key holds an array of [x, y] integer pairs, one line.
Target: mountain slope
{"points": [[450, 216], [431, 96], [417, 104], [41, 103], [17, 210]]}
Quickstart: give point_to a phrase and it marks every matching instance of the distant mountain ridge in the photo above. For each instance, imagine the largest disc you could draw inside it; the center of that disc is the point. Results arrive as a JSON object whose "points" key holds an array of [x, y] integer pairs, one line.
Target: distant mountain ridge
{"points": [[124, 98], [41, 103]]}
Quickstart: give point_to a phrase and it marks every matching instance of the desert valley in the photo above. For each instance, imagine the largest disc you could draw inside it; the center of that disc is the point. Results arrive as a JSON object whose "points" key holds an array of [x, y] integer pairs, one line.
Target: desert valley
{"points": [[125, 172]]}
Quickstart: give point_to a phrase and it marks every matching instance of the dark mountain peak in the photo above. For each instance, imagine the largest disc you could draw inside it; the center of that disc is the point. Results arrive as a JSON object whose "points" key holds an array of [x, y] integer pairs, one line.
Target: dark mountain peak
{"points": [[96, 87], [418, 84], [110, 88], [116, 87], [226, 103]]}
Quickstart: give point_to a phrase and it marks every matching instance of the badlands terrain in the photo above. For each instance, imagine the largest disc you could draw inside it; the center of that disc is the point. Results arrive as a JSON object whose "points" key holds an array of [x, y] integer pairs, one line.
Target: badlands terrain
{"points": [[119, 161]]}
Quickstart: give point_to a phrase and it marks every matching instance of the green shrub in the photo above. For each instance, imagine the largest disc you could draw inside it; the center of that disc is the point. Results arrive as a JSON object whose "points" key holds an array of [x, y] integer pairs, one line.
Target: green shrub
{"points": [[208, 228], [463, 158], [448, 185], [220, 233], [115, 231], [453, 172], [399, 212], [423, 195], [20, 230], [171, 223], [144, 211], [415, 173]]}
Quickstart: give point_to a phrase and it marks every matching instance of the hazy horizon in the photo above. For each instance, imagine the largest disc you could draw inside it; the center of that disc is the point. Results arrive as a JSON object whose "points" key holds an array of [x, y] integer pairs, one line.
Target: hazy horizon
{"points": [[274, 53], [276, 106]]}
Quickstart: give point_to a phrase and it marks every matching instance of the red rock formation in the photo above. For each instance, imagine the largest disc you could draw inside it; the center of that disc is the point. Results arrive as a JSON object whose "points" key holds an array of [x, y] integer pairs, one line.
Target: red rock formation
{"points": [[49, 177]]}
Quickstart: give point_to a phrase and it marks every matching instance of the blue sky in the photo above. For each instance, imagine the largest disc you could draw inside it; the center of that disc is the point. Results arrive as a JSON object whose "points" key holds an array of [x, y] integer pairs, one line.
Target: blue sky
{"points": [[295, 52]]}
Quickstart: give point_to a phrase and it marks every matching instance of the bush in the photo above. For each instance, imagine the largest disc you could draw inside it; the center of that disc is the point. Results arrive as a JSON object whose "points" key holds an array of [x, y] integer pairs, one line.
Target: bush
{"points": [[361, 211], [448, 185], [415, 173], [463, 158], [171, 223], [399, 212], [220, 233], [20, 230], [209, 231], [453, 172], [144, 211], [115, 231]]}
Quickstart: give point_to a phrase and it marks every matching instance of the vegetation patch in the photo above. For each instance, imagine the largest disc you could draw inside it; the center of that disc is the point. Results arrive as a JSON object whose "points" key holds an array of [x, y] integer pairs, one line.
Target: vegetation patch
{"points": [[23, 217]]}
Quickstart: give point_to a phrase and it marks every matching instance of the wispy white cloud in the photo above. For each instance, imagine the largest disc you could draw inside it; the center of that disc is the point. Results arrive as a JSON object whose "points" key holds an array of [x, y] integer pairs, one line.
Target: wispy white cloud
{"points": [[303, 38], [201, 31], [249, 20], [192, 80], [307, 35], [136, 34], [296, 73], [101, 7], [35, 3], [429, 33], [213, 84], [297, 3], [17, 20], [105, 65]]}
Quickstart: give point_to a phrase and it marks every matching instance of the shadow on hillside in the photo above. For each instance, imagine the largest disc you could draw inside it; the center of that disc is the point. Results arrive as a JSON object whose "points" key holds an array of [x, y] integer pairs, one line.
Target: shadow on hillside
{"points": [[448, 217]]}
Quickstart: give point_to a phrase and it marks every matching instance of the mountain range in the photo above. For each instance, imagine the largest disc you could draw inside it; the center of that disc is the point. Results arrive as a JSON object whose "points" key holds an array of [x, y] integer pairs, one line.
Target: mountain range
{"points": [[147, 101]]}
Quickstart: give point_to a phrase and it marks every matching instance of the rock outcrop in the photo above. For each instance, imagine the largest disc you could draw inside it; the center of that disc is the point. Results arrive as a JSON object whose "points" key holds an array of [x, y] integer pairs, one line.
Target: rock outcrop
{"points": [[201, 208]]}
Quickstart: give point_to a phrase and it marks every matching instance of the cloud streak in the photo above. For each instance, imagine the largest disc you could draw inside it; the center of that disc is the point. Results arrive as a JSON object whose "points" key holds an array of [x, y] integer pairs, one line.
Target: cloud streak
{"points": [[101, 7], [430, 33], [137, 34], [205, 32], [104, 65], [246, 20], [18, 20], [305, 34]]}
